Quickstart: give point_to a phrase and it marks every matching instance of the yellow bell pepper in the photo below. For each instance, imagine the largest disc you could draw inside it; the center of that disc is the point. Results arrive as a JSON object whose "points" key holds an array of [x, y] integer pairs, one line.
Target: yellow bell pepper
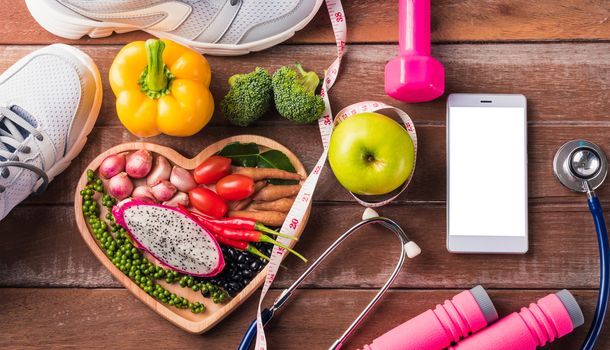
{"points": [[161, 87]]}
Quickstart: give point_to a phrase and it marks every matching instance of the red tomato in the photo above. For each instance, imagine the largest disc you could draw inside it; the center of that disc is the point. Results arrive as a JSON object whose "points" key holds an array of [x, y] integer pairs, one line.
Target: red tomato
{"points": [[235, 187], [212, 170], [208, 202]]}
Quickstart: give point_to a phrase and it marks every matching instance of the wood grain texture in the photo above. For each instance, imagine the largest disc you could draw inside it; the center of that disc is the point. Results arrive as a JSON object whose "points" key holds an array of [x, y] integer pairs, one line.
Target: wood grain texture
{"points": [[102, 319], [49, 251], [562, 82], [429, 179], [377, 21]]}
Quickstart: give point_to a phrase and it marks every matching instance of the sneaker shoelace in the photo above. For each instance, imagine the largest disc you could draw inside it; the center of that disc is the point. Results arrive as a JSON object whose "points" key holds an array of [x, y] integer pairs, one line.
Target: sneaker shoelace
{"points": [[14, 129]]}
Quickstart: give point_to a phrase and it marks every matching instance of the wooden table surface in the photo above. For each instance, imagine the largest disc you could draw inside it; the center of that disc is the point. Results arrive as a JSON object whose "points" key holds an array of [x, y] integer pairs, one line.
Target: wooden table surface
{"points": [[55, 294]]}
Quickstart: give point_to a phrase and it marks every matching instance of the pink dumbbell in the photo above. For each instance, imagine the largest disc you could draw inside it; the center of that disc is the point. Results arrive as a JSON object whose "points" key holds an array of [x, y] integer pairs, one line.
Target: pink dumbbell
{"points": [[414, 76]]}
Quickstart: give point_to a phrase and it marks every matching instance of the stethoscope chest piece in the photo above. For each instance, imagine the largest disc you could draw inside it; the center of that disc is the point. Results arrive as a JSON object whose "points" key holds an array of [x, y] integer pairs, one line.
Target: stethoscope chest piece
{"points": [[580, 165]]}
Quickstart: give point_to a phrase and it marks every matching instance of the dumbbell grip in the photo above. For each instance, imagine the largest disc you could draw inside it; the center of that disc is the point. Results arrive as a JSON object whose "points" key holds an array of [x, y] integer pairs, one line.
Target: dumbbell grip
{"points": [[414, 27]]}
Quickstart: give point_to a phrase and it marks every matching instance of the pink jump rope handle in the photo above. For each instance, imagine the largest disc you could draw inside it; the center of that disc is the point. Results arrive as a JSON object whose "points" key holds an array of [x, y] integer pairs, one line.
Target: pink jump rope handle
{"points": [[414, 76], [550, 318], [437, 329]]}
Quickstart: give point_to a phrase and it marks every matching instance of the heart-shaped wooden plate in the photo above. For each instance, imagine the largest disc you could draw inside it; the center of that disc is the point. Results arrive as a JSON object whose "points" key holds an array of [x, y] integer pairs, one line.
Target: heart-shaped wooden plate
{"points": [[185, 319]]}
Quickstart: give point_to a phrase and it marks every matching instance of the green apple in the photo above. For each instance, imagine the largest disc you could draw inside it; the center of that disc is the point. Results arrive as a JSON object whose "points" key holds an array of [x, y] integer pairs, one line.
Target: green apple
{"points": [[371, 154]]}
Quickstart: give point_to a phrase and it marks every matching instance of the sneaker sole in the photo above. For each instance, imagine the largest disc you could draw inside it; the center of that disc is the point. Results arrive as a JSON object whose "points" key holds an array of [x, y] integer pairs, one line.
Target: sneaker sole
{"points": [[81, 140], [72, 27]]}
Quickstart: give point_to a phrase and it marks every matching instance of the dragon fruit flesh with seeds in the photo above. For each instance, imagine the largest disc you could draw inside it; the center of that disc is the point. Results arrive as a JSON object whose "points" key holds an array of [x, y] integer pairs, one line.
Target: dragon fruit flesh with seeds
{"points": [[173, 238]]}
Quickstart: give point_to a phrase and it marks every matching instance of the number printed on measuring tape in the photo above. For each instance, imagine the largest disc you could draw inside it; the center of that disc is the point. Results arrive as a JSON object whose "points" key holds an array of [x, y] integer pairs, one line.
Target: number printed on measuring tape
{"points": [[297, 212]]}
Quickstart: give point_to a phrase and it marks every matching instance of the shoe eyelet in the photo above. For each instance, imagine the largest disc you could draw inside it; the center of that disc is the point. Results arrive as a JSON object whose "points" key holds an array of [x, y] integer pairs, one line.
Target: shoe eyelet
{"points": [[39, 137], [26, 150], [6, 173], [2, 189]]}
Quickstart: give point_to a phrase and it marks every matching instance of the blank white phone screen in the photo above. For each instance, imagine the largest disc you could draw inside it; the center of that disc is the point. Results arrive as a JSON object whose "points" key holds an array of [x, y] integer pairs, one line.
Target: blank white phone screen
{"points": [[487, 171]]}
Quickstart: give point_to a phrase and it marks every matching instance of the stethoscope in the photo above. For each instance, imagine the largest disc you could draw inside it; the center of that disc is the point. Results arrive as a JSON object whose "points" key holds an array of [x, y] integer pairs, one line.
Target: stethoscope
{"points": [[408, 249], [582, 167]]}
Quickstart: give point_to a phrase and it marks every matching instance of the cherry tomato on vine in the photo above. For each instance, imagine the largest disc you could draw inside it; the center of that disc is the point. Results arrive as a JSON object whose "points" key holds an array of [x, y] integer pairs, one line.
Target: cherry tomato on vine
{"points": [[235, 187], [212, 170], [208, 202]]}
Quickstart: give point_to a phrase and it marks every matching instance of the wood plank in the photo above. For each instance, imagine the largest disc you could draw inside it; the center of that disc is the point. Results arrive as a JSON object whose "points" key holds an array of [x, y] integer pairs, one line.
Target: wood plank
{"points": [[563, 82], [429, 182], [48, 251], [99, 319], [452, 20]]}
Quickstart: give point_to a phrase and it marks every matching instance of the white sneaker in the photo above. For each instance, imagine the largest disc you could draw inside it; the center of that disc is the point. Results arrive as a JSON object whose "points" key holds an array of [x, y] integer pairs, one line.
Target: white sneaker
{"points": [[222, 27], [49, 101]]}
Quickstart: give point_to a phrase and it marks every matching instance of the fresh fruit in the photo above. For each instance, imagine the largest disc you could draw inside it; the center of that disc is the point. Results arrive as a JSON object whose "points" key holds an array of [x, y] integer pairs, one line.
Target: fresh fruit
{"points": [[212, 170], [235, 187], [208, 202], [371, 154], [171, 237]]}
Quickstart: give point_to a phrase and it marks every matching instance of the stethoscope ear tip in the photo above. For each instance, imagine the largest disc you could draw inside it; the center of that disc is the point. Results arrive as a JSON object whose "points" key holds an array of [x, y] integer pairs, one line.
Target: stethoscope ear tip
{"points": [[412, 249], [369, 213]]}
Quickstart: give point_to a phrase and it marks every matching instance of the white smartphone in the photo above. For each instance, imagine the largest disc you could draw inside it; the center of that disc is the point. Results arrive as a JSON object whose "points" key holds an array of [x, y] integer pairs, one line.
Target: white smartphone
{"points": [[487, 173]]}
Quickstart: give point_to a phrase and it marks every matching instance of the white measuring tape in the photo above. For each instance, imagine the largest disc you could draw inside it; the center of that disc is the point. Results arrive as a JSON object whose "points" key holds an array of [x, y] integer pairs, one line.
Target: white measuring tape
{"points": [[326, 124]]}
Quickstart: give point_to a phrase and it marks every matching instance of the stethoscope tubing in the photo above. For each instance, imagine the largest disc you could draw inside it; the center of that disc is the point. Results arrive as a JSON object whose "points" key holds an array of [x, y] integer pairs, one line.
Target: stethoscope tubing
{"points": [[268, 313], [604, 278]]}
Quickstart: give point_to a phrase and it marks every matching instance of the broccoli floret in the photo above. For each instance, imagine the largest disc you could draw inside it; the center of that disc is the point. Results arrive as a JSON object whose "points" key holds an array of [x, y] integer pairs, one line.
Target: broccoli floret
{"points": [[295, 96], [249, 97]]}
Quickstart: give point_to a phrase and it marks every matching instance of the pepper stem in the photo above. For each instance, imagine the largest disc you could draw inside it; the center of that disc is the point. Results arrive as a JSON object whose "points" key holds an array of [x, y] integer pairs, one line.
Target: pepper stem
{"points": [[252, 250], [156, 77], [262, 228], [268, 239]]}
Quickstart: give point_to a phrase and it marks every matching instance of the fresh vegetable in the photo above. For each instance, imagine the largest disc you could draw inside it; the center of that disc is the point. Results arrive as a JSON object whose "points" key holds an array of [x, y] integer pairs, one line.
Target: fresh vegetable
{"points": [[270, 218], [274, 192], [208, 202], [138, 164], [180, 198], [295, 96], [182, 179], [172, 237], [113, 240], [163, 191], [212, 170], [235, 187], [245, 236], [249, 155], [241, 245], [282, 205], [266, 173], [161, 87], [237, 223], [160, 172], [120, 186], [144, 193], [249, 97], [112, 165]]}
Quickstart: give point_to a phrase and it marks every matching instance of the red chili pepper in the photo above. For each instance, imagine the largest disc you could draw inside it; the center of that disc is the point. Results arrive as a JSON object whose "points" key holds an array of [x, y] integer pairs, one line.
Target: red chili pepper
{"points": [[240, 223], [245, 236], [241, 245]]}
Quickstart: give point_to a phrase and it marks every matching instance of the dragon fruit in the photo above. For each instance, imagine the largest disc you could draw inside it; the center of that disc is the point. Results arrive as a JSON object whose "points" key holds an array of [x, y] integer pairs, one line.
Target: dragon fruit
{"points": [[173, 238]]}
